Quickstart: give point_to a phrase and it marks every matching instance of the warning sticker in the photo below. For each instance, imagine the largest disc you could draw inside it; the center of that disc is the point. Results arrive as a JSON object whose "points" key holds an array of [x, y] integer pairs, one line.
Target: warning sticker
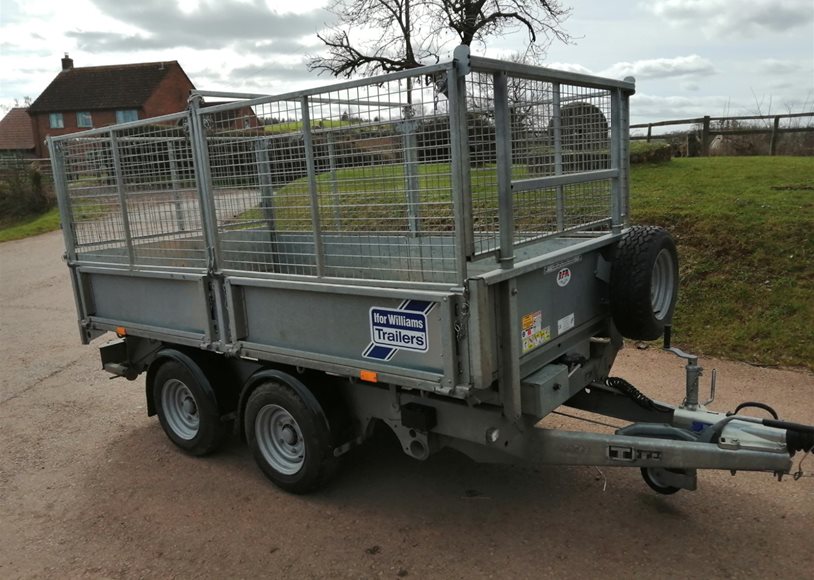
{"points": [[565, 324], [533, 333]]}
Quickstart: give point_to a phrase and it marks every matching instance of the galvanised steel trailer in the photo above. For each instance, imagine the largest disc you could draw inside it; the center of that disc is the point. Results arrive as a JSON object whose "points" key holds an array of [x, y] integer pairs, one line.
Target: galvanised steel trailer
{"points": [[444, 250]]}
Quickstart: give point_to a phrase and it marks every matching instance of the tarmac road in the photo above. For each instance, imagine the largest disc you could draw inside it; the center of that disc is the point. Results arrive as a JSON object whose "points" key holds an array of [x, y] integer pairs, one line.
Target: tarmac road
{"points": [[90, 487]]}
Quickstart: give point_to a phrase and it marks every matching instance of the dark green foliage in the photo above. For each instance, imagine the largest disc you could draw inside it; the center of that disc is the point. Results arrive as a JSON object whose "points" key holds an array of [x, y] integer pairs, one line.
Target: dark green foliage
{"points": [[653, 152], [23, 192]]}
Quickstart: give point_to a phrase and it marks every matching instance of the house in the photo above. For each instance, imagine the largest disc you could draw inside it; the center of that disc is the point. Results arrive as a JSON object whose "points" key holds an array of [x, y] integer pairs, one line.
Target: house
{"points": [[96, 96], [16, 136]]}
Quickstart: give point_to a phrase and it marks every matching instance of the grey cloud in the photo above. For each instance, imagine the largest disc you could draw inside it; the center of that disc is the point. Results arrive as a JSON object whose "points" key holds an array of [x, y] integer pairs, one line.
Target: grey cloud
{"points": [[271, 71], [290, 46], [113, 42], [570, 67], [728, 18], [655, 68], [773, 66], [265, 78], [645, 108], [209, 26]]}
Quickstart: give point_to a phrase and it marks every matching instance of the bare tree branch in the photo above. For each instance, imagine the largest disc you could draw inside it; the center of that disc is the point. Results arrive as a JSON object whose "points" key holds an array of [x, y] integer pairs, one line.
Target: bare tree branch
{"points": [[391, 35]]}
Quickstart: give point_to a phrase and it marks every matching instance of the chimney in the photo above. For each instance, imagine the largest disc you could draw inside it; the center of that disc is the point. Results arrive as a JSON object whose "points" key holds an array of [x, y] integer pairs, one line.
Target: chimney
{"points": [[67, 62]]}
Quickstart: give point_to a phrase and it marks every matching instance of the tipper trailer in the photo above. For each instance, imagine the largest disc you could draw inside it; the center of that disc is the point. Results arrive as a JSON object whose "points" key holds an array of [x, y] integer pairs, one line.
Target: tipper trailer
{"points": [[445, 250]]}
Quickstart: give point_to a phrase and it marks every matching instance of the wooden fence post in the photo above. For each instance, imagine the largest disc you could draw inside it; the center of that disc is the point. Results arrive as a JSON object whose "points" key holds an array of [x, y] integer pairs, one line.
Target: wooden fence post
{"points": [[649, 130], [705, 137], [775, 136]]}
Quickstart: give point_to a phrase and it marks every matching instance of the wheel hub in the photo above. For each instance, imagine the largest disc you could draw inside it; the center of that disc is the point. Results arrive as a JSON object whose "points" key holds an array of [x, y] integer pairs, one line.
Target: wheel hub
{"points": [[289, 435], [180, 409], [188, 406], [279, 439]]}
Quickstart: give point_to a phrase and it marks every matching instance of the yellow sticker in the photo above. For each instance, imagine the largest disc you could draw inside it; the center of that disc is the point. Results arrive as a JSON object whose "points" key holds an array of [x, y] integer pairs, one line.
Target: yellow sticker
{"points": [[533, 333]]}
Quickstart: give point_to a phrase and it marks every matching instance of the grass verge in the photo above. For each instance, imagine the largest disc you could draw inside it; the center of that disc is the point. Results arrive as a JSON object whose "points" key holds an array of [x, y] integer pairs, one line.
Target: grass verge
{"points": [[743, 226], [32, 226]]}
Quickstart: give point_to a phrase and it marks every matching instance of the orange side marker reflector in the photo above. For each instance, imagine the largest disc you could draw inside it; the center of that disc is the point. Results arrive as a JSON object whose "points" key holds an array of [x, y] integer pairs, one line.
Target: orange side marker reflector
{"points": [[121, 331], [369, 376]]}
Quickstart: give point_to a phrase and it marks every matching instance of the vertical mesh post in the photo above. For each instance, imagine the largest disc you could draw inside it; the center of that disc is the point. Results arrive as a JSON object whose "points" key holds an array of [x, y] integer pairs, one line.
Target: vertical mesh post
{"points": [[319, 253], [118, 176], [616, 159], [556, 122], [503, 139]]}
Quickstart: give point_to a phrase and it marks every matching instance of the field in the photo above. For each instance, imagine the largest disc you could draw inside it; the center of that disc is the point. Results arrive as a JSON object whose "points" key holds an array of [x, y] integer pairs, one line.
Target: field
{"points": [[744, 232]]}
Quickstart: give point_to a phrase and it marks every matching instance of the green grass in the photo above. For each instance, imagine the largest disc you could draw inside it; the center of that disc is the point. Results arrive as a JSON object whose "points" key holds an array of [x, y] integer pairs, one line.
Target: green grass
{"points": [[296, 126], [32, 226], [373, 199], [745, 233]]}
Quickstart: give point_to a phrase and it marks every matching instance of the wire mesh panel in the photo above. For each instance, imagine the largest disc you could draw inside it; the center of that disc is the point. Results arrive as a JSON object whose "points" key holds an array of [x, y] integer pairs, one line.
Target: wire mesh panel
{"points": [[360, 180], [95, 205], [351, 183], [482, 139], [133, 196], [557, 129]]}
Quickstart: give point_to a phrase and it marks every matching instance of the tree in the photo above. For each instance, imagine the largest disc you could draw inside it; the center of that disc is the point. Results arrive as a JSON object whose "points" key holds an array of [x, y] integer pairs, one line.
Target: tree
{"points": [[391, 35]]}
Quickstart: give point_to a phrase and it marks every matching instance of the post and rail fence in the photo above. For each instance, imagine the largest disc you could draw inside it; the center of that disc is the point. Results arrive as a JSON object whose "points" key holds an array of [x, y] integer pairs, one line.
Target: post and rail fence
{"points": [[713, 126]]}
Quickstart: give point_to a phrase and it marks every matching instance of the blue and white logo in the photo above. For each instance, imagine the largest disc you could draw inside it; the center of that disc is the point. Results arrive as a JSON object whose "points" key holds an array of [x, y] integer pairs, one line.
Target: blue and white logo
{"points": [[394, 329]]}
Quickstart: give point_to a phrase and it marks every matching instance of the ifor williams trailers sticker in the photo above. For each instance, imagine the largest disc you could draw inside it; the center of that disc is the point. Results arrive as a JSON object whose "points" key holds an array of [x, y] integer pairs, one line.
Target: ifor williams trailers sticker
{"points": [[402, 328]]}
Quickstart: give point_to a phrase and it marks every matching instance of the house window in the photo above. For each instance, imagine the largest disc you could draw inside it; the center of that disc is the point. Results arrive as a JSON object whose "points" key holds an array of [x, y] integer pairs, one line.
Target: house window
{"points": [[55, 121], [126, 115], [83, 119]]}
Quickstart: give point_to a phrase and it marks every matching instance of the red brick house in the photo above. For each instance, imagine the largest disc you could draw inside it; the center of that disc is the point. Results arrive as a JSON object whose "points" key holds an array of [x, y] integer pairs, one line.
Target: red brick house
{"points": [[96, 96], [16, 138]]}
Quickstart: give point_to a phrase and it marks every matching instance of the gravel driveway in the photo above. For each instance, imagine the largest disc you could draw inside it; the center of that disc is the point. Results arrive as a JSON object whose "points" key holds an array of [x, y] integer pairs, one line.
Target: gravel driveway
{"points": [[90, 487]]}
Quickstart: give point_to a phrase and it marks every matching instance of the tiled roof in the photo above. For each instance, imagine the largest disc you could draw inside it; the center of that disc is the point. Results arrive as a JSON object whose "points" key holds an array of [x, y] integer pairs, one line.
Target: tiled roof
{"points": [[15, 130], [122, 86]]}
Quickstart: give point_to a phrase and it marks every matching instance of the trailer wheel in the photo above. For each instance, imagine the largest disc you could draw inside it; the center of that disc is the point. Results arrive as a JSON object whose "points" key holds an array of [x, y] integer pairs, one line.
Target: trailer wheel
{"points": [[652, 477], [290, 443], [186, 408], [644, 282]]}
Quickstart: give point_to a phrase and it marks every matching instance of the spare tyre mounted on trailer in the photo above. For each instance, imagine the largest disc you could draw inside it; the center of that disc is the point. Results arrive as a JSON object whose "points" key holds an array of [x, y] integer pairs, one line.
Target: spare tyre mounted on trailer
{"points": [[315, 288], [644, 282]]}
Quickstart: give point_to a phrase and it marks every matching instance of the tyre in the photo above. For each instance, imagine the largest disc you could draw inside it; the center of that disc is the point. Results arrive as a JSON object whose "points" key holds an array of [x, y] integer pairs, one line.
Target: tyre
{"points": [[644, 282], [186, 408], [653, 478], [290, 441]]}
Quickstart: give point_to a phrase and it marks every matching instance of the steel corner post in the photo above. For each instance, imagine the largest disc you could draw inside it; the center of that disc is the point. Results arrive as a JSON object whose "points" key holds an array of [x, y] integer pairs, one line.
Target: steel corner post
{"points": [[206, 197], [503, 143], [618, 164], [313, 190], [455, 79]]}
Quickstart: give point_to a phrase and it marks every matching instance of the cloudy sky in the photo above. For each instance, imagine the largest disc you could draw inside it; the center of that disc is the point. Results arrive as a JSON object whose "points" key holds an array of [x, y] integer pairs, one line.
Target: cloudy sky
{"points": [[690, 57]]}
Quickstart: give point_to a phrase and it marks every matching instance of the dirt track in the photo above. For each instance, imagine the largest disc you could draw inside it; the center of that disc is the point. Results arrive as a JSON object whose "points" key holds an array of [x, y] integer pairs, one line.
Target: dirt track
{"points": [[90, 487]]}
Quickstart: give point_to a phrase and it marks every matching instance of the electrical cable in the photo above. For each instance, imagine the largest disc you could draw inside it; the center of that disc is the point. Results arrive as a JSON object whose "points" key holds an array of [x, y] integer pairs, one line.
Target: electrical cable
{"points": [[636, 395], [800, 473], [748, 404]]}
